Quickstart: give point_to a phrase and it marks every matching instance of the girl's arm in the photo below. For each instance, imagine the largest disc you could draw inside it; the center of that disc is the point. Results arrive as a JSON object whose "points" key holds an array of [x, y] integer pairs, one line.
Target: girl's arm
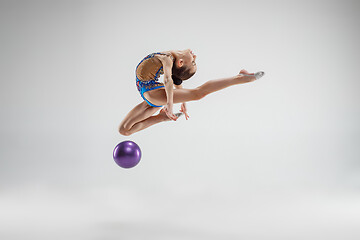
{"points": [[183, 105], [168, 82]]}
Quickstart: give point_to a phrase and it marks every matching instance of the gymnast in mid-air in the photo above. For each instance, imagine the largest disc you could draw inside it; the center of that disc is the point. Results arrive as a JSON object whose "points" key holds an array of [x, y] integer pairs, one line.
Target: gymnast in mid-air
{"points": [[177, 66]]}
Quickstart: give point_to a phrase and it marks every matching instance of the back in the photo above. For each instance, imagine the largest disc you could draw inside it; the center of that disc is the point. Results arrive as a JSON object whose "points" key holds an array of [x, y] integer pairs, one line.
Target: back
{"points": [[150, 68]]}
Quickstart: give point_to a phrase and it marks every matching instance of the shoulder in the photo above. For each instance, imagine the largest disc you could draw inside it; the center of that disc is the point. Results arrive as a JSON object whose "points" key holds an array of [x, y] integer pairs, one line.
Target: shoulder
{"points": [[166, 58]]}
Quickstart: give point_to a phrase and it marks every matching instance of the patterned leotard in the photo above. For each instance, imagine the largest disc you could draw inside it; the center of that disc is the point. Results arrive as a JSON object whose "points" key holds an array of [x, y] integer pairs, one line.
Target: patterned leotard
{"points": [[147, 74]]}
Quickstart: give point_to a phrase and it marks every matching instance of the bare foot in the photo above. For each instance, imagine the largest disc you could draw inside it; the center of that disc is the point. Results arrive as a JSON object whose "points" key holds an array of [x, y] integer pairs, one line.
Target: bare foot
{"points": [[245, 72], [163, 116], [256, 75]]}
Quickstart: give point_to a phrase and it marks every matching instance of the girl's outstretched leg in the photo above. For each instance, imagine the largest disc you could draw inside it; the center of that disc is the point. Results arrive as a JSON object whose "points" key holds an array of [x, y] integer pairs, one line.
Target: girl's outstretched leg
{"points": [[219, 84], [158, 96]]}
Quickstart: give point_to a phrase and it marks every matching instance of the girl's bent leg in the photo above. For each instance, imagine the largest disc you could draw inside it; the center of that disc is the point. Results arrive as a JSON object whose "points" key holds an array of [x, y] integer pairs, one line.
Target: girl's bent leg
{"points": [[137, 114], [161, 117]]}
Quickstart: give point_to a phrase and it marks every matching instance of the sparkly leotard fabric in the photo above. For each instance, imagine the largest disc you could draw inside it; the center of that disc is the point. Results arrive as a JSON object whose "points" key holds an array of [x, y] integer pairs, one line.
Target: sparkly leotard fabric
{"points": [[148, 72]]}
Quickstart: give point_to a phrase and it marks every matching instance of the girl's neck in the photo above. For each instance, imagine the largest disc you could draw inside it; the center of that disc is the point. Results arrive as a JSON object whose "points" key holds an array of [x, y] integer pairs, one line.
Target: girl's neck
{"points": [[176, 53]]}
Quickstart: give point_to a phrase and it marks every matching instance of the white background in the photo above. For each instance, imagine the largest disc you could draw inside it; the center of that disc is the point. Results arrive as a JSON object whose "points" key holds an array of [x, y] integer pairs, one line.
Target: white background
{"points": [[277, 158]]}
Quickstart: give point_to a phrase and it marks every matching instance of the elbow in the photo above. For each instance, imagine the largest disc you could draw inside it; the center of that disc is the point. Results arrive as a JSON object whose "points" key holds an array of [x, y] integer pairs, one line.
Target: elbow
{"points": [[168, 80]]}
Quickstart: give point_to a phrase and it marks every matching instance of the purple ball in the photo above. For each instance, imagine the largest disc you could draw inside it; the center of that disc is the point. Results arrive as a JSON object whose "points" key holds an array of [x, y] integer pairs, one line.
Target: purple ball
{"points": [[127, 154]]}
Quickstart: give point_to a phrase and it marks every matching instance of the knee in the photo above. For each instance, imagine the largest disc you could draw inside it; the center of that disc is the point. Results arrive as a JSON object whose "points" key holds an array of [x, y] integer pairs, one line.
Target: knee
{"points": [[199, 93], [124, 131]]}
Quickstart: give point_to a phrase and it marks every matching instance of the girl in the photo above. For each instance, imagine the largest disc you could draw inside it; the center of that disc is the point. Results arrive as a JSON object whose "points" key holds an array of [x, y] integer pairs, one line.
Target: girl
{"points": [[177, 66]]}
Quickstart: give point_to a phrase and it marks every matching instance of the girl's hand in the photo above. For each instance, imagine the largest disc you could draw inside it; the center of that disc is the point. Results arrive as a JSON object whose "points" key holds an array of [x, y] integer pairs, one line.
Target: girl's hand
{"points": [[184, 110], [169, 111]]}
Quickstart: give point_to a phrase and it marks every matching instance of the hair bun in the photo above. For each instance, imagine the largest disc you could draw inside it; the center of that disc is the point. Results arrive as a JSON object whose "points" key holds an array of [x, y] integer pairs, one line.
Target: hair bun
{"points": [[176, 80]]}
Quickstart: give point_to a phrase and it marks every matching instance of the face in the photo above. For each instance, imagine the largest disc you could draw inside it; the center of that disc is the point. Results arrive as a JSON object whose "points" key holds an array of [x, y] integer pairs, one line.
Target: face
{"points": [[190, 60]]}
